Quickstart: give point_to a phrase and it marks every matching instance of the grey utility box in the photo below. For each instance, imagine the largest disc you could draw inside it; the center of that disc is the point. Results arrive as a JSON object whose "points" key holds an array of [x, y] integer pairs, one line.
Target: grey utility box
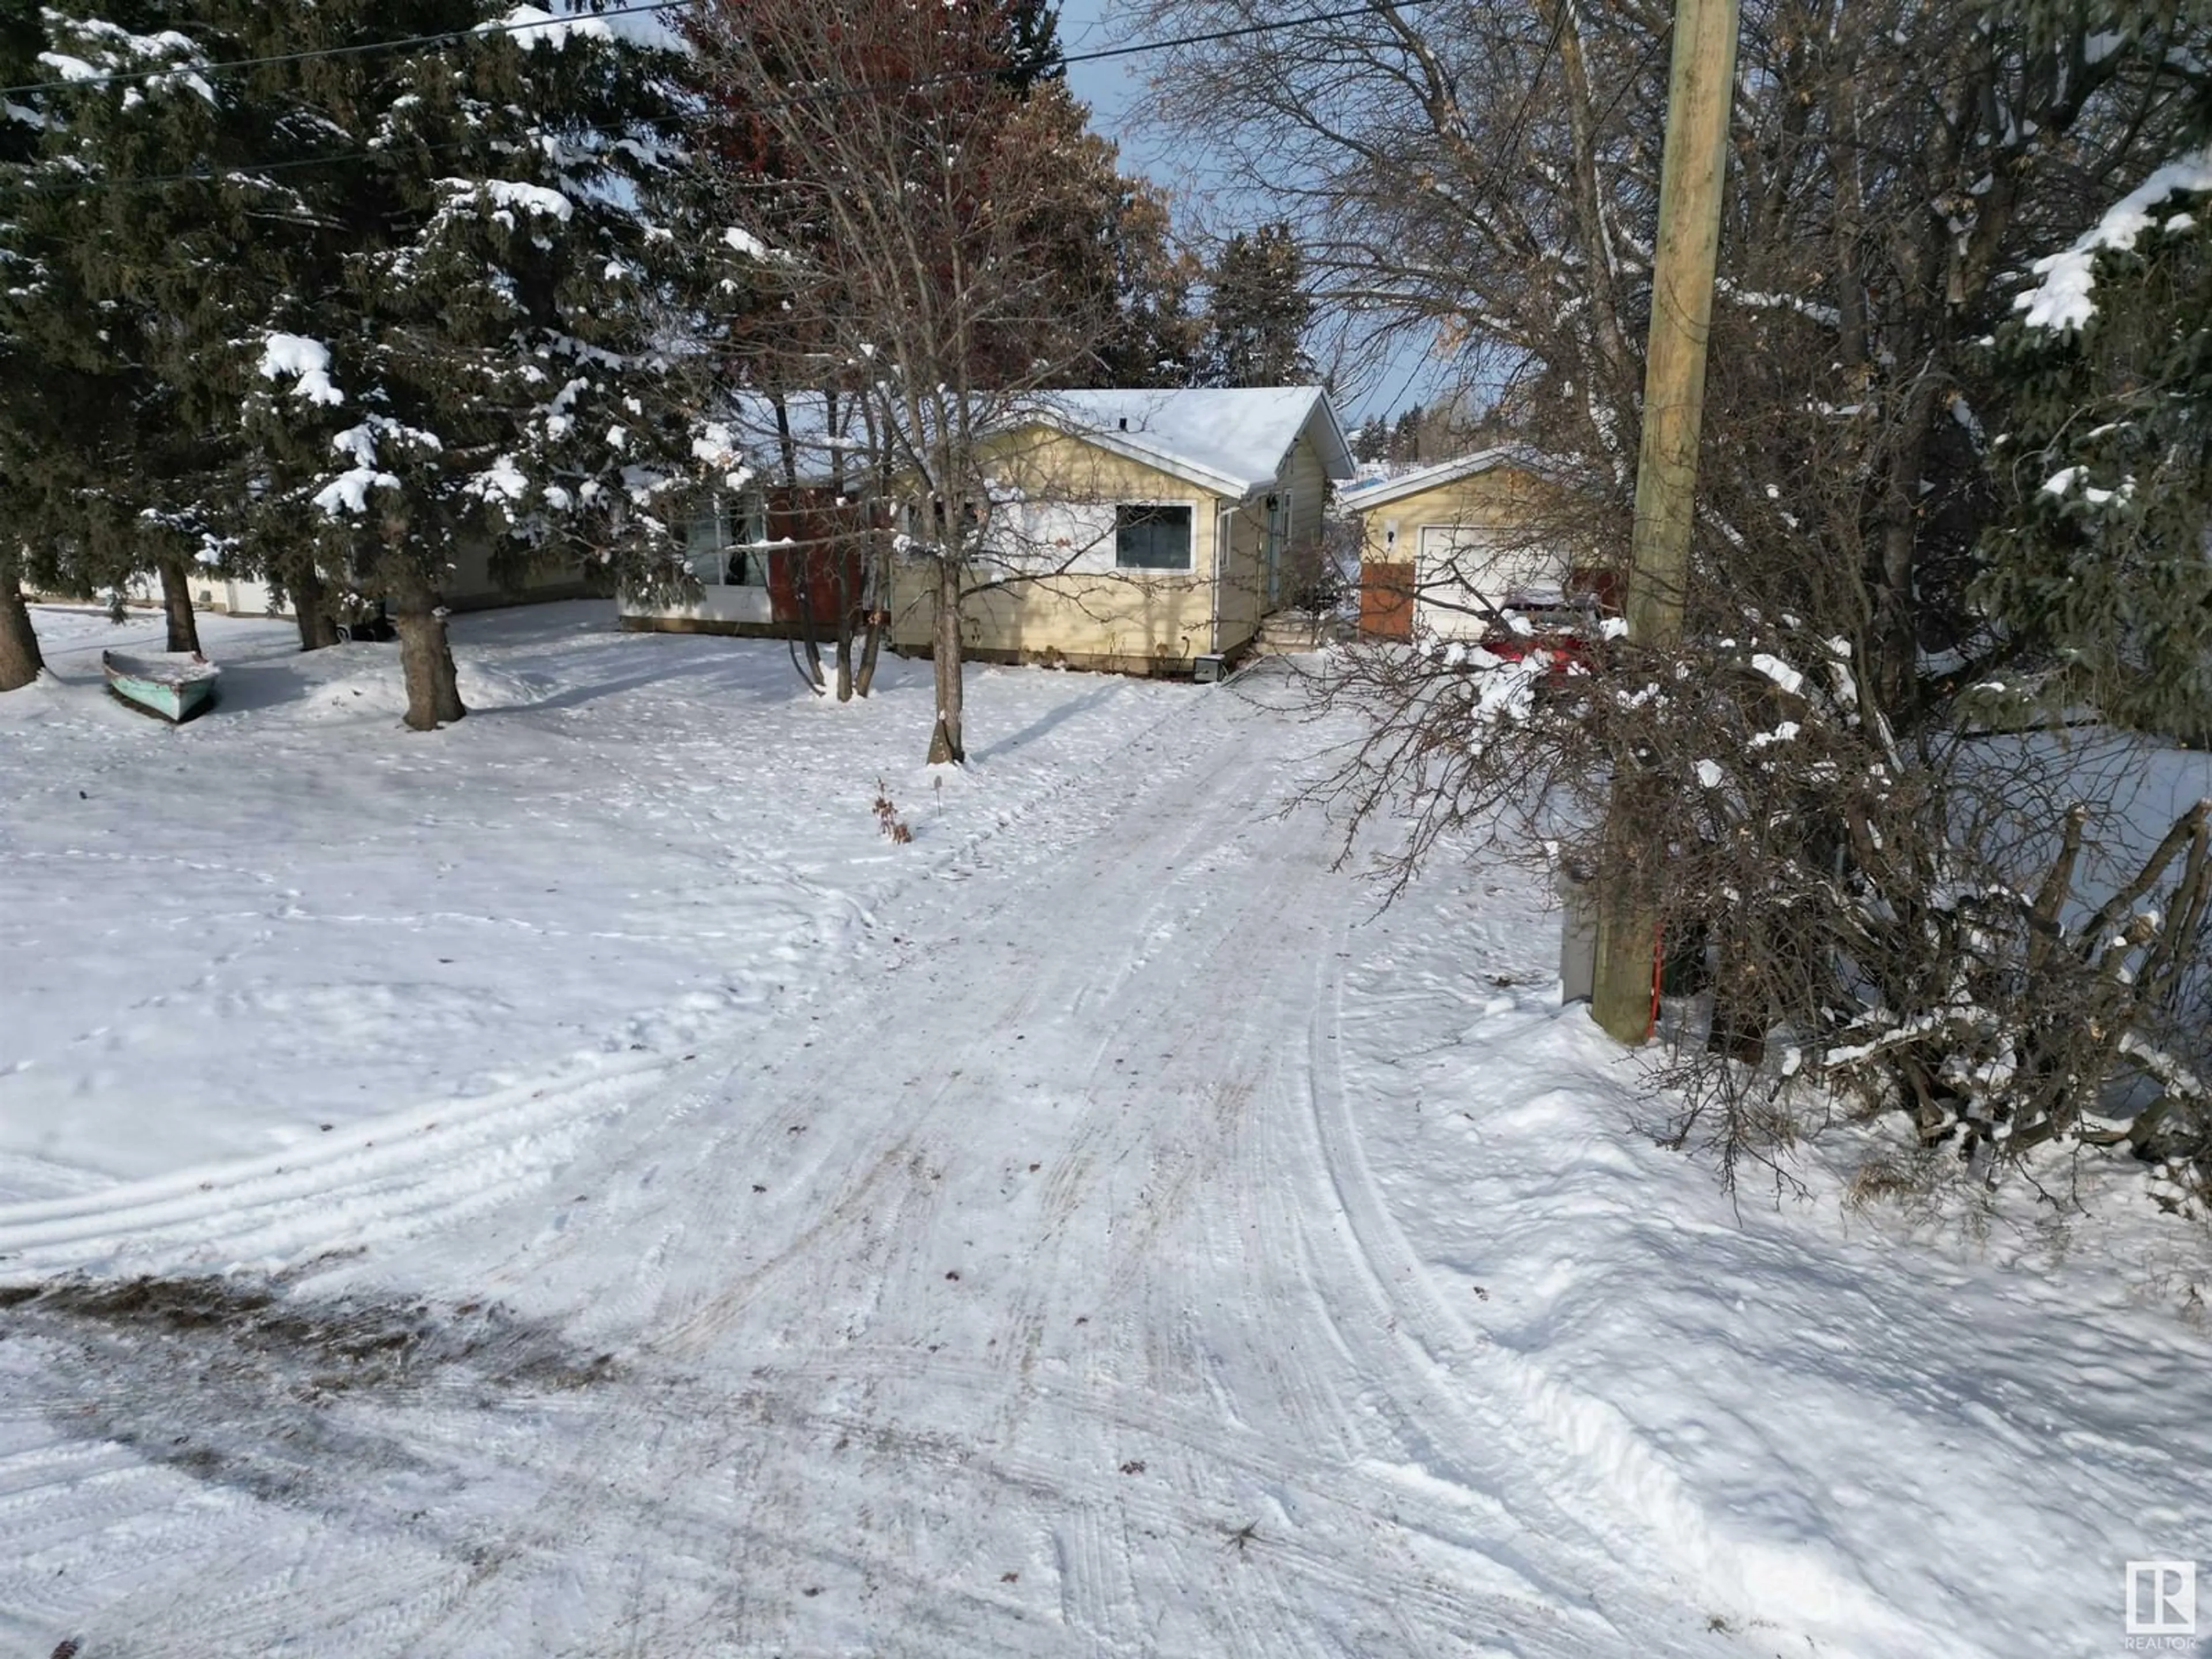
{"points": [[1210, 668], [1577, 934]]}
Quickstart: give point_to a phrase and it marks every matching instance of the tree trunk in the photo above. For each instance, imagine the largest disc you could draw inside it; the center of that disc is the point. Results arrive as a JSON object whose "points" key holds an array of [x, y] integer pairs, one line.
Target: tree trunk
{"points": [[812, 666], [311, 605], [806, 653], [872, 645], [177, 602], [844, 631], [426, 657], [20, 661], [1895, 645], [944, 742]]}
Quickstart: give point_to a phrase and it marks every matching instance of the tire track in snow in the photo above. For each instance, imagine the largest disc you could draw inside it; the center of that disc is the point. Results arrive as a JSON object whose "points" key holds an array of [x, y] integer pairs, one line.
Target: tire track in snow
{"points": [[847, 1213], [1206, 1494], [782, 1422], [858, 1202], [160, 1226], [1636, 1507], [403, 1172]]}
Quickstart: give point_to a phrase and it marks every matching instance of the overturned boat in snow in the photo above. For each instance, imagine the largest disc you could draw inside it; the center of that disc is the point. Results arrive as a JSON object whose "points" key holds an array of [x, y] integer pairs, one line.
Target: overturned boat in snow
{"points": [[174, 685]]}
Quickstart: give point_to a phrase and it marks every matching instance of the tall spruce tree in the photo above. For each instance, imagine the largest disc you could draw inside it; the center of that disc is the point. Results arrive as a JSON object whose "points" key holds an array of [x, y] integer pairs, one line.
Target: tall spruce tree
{"points": [[1154, 337], [117, 465], [20, 121], [2098, 570], [1258, 311], [479, 342], [399, 287]]}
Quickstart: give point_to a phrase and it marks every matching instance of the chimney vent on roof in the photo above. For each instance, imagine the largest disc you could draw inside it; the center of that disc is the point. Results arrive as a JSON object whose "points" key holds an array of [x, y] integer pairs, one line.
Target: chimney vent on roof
{"points": [[1124, 423]]}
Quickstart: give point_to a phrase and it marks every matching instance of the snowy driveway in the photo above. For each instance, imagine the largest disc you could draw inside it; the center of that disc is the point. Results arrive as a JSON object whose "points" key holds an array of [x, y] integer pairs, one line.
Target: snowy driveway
{"points": [[1012, 1257]]}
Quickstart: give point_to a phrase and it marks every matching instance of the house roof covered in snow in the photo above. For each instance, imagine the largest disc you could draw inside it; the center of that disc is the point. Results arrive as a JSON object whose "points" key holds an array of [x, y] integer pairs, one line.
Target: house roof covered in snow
{"points": [[1400, 485], [1235, 440]]}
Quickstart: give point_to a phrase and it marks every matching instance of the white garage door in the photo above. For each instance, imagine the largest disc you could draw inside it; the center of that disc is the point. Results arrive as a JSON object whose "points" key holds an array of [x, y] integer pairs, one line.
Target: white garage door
{"points": [[1462, 570], [1465, 569]]}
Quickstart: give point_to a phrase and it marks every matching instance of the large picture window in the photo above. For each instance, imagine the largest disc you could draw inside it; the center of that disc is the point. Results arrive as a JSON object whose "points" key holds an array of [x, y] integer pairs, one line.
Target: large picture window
{"points": [[725, 541], [1152, 538]]}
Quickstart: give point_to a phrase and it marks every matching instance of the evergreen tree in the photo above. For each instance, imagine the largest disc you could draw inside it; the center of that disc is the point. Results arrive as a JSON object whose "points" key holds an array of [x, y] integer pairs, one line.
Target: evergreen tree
{"points": [[482, 346], [1372, 441], [2096, 567], [1154, 338], [117, 463], [1025, 34], [1257, 312], [360, 307], [21, 40], [1405, 446]]}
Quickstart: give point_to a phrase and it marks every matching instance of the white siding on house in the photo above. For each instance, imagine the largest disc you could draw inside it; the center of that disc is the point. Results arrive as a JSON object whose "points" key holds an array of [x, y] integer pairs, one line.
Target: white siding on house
{"points": [[720, 603], [240, 599]]}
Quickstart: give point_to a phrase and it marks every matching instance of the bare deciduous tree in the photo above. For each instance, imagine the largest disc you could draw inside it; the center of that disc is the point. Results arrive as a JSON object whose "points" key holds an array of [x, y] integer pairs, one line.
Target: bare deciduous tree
{"points": [[910, 200], [1852, 859]]}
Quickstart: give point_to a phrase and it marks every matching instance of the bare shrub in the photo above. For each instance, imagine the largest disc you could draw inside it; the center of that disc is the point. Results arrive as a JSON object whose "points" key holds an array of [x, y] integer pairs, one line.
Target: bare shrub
{"points": [[1938, 927], [888, 819]]}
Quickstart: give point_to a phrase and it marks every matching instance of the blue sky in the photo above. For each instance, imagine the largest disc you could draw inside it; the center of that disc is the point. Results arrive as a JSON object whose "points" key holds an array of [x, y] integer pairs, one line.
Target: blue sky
{"points": [[1112, 90], [1108, 88]]}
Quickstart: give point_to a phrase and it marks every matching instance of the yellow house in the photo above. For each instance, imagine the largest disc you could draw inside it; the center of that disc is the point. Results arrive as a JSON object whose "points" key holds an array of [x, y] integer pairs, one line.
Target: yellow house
{"points": [[1442, 547], [1143, 531]]}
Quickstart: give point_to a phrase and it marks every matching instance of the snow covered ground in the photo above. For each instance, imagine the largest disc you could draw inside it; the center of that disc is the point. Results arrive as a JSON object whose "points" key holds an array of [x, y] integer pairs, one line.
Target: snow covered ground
{"points": [[600, 1196]]}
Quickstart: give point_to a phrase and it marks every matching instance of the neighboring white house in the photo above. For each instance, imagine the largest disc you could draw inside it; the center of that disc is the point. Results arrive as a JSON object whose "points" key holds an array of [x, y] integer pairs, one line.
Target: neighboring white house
{"points": [[469, 586]]}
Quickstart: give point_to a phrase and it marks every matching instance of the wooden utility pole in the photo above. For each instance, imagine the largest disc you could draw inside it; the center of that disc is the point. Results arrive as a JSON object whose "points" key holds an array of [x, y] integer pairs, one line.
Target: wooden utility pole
{"points": [[1700, 94]]}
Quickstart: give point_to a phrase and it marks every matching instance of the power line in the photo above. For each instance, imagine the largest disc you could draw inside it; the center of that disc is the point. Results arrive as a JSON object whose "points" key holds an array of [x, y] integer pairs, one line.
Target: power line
{"points": [[1665, 33], [826, 93], [405, 42], [459, 37]]}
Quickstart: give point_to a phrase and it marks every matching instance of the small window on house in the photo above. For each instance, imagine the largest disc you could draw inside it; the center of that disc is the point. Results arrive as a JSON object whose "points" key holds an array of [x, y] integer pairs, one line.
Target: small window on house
{"points": [[1152, 538]]}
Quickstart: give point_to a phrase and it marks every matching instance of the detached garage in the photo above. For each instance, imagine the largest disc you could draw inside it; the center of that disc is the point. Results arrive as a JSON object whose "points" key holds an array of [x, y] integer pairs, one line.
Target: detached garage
{"points": [[1442, 547]]}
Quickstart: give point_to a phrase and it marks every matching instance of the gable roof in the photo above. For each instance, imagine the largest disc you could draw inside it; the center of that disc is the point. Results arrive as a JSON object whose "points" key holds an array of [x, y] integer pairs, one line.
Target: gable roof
{"points": [[1360, 497], [1235, 440]]}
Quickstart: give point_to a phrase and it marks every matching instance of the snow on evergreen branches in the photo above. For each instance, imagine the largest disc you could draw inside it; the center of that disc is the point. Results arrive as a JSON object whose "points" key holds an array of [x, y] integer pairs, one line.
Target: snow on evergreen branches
{"points": [[307, 361], [2064, 297]]}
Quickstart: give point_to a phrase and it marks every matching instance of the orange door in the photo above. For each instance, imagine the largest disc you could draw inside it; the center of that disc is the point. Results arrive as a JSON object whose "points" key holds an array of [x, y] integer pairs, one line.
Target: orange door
{"points": [[1386, 601]]}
